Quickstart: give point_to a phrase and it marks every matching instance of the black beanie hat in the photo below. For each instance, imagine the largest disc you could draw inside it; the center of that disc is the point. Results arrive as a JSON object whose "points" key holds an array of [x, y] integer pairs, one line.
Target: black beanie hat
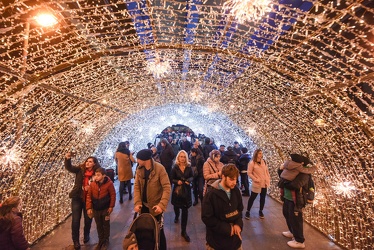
{"points": [[144, 154]]}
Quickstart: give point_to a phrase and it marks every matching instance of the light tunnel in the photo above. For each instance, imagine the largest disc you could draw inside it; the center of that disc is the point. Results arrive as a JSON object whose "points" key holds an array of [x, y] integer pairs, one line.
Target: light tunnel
{"points": [[295, 77]]}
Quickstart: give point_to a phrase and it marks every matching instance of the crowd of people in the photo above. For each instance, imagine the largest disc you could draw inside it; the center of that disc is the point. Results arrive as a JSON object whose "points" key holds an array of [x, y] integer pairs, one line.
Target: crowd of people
{"points": [[218, 177]]}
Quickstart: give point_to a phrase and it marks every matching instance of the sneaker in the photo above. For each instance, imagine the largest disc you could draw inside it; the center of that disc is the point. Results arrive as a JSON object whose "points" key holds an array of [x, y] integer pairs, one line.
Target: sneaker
{"points": [[247, 215], [295, 244], [261, 214], [287, 234]]}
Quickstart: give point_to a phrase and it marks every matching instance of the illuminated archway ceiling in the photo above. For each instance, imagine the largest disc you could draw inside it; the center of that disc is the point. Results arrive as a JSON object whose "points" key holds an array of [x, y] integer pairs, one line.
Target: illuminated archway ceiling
{"points": [[299, 78]]}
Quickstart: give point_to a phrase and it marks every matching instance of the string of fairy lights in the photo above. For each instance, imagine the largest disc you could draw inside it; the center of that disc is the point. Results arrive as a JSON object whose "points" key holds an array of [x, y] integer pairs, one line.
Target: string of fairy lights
{"points": [[283, 77]]}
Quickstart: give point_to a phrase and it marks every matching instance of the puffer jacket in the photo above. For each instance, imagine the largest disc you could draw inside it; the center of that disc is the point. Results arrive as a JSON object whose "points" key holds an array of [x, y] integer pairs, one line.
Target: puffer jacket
{"points": [[218, 213], [158, 187], [13, 238], [101, 195]]}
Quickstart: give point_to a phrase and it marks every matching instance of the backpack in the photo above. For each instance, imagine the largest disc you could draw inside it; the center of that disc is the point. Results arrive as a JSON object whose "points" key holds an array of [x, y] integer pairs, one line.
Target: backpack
{"points": [[310, 192]]}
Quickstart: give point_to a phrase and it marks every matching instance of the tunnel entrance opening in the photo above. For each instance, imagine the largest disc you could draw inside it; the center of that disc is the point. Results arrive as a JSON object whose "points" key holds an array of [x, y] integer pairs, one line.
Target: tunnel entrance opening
{"points": [[177, 132]]}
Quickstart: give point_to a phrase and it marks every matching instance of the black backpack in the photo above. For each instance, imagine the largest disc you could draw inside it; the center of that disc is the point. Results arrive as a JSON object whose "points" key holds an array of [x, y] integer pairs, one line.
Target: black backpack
{"points": [[310, 193]]}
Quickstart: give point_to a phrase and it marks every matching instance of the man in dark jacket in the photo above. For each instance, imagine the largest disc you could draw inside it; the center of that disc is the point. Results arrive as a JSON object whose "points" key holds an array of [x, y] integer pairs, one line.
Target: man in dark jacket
{"points": [[293, 212], [84, 174], [243, 161], [222, 212]]}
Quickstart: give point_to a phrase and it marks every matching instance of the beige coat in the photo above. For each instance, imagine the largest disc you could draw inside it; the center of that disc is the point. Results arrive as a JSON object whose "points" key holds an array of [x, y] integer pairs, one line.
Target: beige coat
{"points": [[124, 166], [158, 187], [259, 174]]}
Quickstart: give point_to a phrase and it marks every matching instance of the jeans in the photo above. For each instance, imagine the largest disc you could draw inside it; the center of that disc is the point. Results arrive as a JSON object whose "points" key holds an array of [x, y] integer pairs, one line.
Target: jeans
{"points": [[103, 225], [244, 181], [253, 198], [294, 221], [77, 206]]}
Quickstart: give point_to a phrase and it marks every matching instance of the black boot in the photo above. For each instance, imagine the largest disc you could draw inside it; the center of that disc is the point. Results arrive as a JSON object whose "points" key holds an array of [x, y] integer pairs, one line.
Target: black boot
{"points": [[185, 236]]}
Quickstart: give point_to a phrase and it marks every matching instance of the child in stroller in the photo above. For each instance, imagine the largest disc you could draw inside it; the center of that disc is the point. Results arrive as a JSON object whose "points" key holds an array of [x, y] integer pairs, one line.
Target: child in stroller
{"points": [[143, 233]]}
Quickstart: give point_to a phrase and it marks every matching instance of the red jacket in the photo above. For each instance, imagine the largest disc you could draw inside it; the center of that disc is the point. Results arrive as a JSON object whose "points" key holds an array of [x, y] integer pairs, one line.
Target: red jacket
{"points": [[101, 195]]}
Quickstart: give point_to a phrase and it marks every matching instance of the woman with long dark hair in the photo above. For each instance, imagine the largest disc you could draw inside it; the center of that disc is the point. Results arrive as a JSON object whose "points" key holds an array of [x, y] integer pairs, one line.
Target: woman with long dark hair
{"points": [[124, 160], [11, 229], [259, 173], [84, 175]]}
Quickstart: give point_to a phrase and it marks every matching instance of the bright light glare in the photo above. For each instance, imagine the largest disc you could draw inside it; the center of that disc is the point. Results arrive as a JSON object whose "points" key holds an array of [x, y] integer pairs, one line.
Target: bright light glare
{"points": [[46, 20]]}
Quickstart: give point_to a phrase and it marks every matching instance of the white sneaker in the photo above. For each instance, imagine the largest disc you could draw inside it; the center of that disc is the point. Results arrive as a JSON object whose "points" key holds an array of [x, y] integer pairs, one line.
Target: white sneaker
{"points": [[295, 244], [287, 234]]}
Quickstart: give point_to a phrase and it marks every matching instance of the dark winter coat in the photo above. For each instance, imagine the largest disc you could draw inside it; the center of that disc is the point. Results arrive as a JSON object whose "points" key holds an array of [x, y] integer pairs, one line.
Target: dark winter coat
{"points": [[218, 213], [198, 162], [229, 157], [185, 199], [12, 238], [76, 192], [167, 156], [207, 149], [243, 161], [101, 195]]}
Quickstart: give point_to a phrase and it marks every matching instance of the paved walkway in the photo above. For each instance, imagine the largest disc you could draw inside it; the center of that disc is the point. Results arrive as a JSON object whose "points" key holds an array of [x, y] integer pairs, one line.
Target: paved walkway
{"points": [[258, 234]]}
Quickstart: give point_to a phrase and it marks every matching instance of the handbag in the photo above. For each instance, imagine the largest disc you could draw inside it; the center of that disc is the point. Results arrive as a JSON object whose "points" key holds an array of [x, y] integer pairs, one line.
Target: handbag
{"points": [[194, 172]]}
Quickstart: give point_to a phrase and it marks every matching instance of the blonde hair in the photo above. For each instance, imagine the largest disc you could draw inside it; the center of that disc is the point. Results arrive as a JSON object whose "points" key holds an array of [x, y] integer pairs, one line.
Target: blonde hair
{"points": [[177, 158]]}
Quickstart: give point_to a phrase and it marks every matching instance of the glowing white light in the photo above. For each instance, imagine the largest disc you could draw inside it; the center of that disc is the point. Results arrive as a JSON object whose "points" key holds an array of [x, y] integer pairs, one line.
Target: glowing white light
{"points": [[217, 128], [109, 152], [319, 122], [159, 68], [247, 10], [12, 156], [88, 129], [45, 19], [344, 188], [251, 131]]}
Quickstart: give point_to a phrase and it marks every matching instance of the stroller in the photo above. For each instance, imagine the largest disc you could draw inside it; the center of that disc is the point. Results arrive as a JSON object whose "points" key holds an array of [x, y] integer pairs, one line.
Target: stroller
{"points": [[144, 231]]}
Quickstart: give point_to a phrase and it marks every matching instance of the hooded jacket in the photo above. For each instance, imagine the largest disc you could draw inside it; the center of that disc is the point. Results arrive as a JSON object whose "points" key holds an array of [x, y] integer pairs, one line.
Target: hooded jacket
{"points": [[218, 214]]}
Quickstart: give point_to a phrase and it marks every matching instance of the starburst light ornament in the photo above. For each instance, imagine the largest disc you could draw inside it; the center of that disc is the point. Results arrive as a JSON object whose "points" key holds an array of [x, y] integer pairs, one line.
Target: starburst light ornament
{"points": [[247, 10], [159, 68]]}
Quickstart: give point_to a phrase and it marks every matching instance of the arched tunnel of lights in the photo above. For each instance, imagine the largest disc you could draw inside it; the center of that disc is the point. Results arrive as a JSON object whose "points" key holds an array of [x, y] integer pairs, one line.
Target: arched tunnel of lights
{"points": [[291, 76]]}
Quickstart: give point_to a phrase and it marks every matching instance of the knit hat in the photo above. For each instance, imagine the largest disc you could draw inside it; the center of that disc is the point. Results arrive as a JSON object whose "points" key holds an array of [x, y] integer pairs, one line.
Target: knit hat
{"points": [[144, 154]]}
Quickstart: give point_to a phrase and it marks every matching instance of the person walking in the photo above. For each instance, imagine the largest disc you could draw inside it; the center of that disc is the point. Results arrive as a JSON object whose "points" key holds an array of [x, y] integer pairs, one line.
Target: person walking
{"points": [[197, 161], [84, 174], [124, 160], [101, 199], [212, 169], [222, 212], [151, 190], [181, 177], [259, 173], [11, 229], [167, 155]]}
